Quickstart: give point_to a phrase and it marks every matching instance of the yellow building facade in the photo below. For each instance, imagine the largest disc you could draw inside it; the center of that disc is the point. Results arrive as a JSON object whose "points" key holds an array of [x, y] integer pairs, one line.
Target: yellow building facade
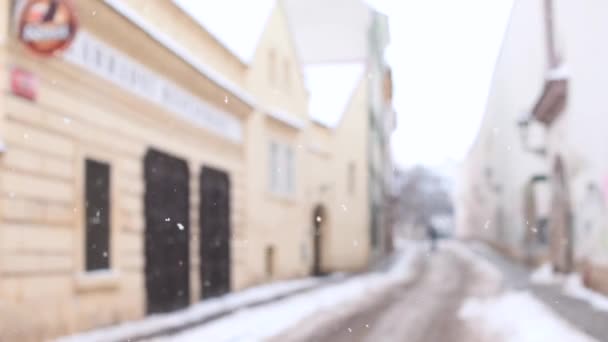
{"points": [[147, 167]]}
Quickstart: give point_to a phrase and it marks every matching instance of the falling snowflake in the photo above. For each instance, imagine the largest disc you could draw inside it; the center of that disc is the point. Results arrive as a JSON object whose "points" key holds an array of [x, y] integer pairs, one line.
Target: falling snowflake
{"points": [[93, 13], [226, 99], [180, 226], [105, 254], [350, 330], [367, 325], [168, 219], [487, 225], [319, 219], [67, 120], [344, 207]]}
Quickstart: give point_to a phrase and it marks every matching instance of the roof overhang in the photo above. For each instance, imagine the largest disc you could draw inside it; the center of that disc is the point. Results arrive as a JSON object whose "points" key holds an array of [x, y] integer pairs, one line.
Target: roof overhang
{"points": [[287, 119], [553, 98], [181, 52]]}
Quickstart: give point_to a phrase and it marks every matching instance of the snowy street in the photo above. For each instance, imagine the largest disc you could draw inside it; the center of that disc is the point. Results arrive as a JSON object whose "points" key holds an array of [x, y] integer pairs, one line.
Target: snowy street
{"points": [[424, 310], [453, 294]]}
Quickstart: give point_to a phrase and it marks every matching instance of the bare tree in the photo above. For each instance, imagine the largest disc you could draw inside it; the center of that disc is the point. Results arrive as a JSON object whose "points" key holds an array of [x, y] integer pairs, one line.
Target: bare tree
{"points": [[422, 195]]}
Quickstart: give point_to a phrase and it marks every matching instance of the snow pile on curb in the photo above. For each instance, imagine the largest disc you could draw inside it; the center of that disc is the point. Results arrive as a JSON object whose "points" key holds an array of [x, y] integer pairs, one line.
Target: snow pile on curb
{"points": [[544, 275], [195, 313], [571, 285], [574, 287], [271, 320], [518, 317]]}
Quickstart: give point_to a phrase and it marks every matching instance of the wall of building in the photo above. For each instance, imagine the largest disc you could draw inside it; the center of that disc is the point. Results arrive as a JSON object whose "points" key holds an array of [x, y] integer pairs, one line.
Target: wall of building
{"points": [[81, 112], [349, 240], [576, 136], [44, 288], [275, 80]]}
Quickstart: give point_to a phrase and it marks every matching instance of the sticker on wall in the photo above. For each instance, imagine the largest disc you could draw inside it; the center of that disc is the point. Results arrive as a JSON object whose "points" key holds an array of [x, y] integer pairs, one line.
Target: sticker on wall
{"points": [[47, 27], [24, 84]]}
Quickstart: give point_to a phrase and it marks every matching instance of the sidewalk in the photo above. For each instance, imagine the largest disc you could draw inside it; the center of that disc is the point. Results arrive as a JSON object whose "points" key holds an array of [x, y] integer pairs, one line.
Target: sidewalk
{"points": [[577, 312], [209, 311], [203, 312], [328, 303]]}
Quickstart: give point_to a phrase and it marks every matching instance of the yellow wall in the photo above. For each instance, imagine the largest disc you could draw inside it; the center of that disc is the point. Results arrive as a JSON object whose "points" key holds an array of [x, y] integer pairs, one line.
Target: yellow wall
{"points": [[43, 289], [275, 220], [350, 236]]}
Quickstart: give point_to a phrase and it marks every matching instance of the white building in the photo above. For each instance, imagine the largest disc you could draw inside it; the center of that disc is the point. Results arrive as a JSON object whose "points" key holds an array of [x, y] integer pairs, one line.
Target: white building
{"points": [[541, 152]]}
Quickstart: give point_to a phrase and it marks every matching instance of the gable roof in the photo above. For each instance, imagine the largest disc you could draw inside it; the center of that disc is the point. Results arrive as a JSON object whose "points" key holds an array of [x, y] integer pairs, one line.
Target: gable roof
{"points": [[331, 87], [236, 24], [326, 31]]}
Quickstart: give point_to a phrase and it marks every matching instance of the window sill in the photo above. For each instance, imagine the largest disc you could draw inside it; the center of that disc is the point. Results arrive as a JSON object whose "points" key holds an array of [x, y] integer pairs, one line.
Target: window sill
{"points": [[97, 281], [284, 198]]}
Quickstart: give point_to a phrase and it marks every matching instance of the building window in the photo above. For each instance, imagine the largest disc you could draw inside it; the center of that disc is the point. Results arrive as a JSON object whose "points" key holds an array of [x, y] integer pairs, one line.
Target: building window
{"points": [[272, 65], [286, 75], [274, 167], [97, 215], [282, 169], [289, 170], [351, 177]]}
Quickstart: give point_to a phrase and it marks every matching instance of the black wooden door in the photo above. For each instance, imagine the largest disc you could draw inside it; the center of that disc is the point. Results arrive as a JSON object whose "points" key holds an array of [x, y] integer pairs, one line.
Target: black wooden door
{"points": [[167, 232], [215, 232]]}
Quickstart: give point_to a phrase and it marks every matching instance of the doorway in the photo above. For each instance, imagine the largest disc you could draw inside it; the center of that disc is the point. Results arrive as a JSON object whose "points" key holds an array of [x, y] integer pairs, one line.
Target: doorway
{"points": [[319, 219], [214, 232], [167, 266], [562, 235]]}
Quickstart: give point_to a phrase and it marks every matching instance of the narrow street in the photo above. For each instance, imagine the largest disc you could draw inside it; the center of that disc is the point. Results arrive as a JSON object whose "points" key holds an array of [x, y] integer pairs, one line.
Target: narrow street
{"points": [[423, 310], [461, 292]]}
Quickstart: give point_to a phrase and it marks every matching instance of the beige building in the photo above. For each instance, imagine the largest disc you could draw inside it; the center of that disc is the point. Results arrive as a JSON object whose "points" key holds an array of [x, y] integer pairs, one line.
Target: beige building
{"points": [[143, 172], [347, 35], [535, 180]]}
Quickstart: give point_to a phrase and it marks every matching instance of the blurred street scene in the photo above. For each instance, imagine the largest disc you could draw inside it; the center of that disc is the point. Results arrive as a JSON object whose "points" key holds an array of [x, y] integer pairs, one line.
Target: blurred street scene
{"points": [[303, 170]]}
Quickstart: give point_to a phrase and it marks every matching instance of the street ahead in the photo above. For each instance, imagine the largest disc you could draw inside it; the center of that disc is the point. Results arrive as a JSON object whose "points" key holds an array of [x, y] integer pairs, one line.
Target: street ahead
{"points": [[462, 292]]}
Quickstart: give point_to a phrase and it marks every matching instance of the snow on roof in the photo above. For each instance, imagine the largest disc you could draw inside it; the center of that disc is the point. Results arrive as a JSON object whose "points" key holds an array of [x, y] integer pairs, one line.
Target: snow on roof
{"points": [[331, 87], [179, 50], [560, 72], [237, 24]]}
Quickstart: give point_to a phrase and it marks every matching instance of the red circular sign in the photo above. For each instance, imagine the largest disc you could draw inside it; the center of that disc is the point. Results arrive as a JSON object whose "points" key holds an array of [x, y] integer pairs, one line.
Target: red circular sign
{"points": [[47, 26]]}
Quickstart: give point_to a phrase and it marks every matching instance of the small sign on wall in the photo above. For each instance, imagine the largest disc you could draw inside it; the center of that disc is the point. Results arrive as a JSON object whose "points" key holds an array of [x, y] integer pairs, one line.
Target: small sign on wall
{"points": [[24, 84]]}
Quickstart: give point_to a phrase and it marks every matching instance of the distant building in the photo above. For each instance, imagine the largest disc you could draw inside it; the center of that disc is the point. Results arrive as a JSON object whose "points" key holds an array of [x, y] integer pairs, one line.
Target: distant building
{"points": [[334, 40]]}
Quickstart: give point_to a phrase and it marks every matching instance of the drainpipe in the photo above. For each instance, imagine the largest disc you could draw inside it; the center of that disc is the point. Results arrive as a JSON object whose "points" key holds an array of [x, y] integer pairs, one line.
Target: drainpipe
{"points": [[550, 36]]}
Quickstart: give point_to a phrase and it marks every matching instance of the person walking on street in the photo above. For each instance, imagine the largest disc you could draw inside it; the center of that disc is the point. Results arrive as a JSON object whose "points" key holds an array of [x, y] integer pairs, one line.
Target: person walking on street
{"points": [[433, 235]]}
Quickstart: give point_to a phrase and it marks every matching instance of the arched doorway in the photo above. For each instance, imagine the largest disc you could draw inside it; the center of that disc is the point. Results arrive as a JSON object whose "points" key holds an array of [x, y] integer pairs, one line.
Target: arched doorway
{"points": [[560, 222], [535, 237], [319, 218]]}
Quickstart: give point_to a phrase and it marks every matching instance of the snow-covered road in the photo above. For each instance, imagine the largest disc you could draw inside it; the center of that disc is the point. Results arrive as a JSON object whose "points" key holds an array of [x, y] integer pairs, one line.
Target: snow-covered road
{"points": [[452, 295]]}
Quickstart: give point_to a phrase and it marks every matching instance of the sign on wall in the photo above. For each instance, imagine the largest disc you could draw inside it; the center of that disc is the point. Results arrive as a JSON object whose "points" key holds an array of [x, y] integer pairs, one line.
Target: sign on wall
{"points": [[47, 27], [106, 62]]}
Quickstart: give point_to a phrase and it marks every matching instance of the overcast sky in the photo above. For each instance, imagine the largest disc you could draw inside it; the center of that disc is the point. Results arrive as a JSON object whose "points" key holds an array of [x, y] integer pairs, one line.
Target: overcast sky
{"points": [[443, 54]]}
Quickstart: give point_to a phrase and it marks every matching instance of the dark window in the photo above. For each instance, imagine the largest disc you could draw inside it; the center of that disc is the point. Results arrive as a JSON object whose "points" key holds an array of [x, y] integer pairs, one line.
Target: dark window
{"points": [[97, 200], [352, 178]]}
